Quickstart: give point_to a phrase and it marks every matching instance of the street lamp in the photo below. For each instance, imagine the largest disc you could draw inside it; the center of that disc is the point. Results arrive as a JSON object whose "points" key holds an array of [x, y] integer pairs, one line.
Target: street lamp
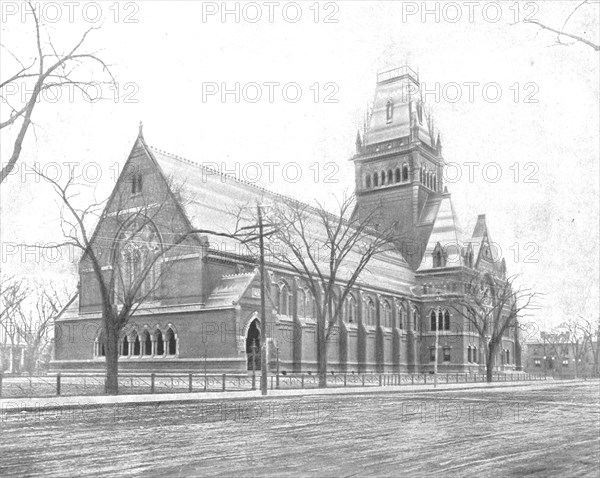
{"points": [[545, 366], [438, 299]]}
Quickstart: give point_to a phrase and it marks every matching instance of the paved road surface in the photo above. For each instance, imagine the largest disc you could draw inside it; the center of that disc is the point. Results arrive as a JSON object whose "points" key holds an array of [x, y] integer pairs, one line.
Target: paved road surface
{"points": [[552, 431]]}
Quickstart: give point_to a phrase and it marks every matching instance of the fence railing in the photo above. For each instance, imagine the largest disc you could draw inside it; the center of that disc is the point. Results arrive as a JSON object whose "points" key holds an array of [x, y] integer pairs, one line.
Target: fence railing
{"points": [[68, 384]]}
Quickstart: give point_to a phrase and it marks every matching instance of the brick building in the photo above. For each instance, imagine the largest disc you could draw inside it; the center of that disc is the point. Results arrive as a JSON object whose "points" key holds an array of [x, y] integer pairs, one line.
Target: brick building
{"points": [[556, 357], [206, 310]]}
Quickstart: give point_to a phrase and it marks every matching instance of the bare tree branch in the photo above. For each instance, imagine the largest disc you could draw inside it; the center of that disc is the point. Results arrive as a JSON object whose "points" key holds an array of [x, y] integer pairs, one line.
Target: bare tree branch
{"points": [[72, 59]]}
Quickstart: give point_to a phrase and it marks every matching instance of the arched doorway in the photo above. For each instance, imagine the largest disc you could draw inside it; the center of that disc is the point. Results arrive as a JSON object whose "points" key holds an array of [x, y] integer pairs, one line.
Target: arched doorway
{"points": [[253, 338]]}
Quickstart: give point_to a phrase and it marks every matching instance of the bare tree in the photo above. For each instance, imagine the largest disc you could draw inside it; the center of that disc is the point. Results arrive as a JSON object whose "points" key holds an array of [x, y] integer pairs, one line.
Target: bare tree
{"points": [[590, 329], [562, 31], [126, 254], [13, 292], [329, 252], [572, 336], [49, 69], [35, 323], [493, 307]]}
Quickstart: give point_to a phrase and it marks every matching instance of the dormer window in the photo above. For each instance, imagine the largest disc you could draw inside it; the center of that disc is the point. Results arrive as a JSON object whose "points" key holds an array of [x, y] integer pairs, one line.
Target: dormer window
{"points": [[389, 111], [439, 258], [470, 257], [136, 183]]}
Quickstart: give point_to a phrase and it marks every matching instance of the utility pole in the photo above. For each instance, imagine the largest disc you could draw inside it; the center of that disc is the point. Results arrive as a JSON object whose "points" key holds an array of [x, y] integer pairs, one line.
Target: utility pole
{"points": [[263, 324], [263, 316]]}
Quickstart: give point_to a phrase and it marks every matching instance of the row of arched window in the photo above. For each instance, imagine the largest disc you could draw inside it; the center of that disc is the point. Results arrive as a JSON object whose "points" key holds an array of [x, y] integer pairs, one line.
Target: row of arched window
{"points": [[400, 175], [442, 318], [428, 179], [386, 177], [156, 344], [307, 307]]}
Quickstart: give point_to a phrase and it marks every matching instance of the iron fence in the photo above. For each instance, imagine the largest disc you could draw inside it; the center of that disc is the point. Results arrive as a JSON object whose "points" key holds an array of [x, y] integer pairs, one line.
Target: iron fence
{"points": [[157, 383]]}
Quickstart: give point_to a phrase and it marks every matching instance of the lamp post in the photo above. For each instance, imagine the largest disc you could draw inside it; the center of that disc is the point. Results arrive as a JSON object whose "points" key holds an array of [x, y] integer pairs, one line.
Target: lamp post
{"points": [[254, 364], [277, 369], [545, 366], [438, 299]]}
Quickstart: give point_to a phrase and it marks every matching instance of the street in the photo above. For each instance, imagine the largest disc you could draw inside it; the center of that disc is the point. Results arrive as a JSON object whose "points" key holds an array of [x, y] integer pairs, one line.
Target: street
{"points": [[535, 431]]}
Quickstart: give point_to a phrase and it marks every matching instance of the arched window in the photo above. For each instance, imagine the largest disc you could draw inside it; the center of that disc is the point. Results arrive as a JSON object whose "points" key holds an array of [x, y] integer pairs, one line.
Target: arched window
{"points": [[350, 312], [171, 342], [389, 111], [428, 180], [446, 320], [160, 344], [137, 346], [435, 182], [401, 318], [306, 303], [136, 184], [284, 299], [99, 350], [416, 320], [139, 245], [404, 172], [147, 343], [507, 356], [382, 178], [301, 302], [369, 312], [469, 353], [433, 317], [439, 258], [386, 314], [368, 181], [421, 175], [398, 177], [474, 355], [125, 346], [375, 180], [390, 178]]}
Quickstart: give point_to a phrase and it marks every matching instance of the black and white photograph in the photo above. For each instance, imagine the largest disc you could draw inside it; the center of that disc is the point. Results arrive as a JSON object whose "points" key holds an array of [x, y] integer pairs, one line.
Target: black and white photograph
{"points": [[300, 238]]}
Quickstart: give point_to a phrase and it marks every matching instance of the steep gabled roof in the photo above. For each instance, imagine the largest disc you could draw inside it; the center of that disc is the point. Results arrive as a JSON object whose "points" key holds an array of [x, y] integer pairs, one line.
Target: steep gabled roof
{"points": [[211, 199], [398, 88], [446, 232], [482, 241]]}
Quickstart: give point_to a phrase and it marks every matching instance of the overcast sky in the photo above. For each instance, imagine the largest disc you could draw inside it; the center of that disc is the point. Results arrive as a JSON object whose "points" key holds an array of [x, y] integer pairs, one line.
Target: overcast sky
{"points": [[541, 133]]}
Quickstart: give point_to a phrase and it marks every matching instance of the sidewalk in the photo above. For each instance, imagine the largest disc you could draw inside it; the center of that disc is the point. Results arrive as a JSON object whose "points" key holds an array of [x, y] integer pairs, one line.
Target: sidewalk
{"points": [[17, 405]]}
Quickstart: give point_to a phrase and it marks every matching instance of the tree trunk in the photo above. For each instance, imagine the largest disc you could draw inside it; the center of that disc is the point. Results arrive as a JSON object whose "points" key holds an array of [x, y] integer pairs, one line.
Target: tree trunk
{"points": [[111, 350], [489, 364], [322, 353]]}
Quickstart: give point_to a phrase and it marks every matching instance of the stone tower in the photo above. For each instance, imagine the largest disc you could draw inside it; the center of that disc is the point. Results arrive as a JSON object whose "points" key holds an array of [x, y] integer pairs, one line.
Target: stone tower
{"points": [[398, 163]]}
